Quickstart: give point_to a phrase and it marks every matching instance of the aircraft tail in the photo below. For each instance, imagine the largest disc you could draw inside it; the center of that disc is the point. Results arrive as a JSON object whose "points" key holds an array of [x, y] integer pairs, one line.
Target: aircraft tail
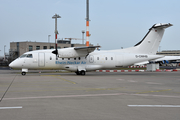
{"points": [[150, 43]]}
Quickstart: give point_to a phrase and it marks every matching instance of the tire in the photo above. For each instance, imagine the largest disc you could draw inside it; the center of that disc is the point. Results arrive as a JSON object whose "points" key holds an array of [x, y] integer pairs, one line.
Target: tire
{"points": [[83, 73], [23, 73], [77, 73]]}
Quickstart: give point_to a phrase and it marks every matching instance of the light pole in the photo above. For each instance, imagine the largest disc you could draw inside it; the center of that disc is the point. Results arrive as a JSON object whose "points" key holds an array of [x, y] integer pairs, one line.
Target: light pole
{"points": [[56, 32], [4, 53], [49, 40], [87, 22]]}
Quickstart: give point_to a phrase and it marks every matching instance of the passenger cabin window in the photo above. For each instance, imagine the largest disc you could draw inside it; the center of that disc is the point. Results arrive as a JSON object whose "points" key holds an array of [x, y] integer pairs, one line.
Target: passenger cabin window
{"points": [[50, 58], [97, 58], [68, 58], [111, 58], [74, 58], [106, 58], [79, 58]]}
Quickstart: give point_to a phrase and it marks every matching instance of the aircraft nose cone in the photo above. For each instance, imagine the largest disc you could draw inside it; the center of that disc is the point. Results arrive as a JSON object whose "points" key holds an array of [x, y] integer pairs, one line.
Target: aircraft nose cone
{"points": [[11, 64]]}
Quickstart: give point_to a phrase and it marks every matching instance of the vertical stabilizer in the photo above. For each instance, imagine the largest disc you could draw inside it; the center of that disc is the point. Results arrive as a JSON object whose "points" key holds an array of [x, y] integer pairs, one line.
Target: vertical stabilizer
{"points": [[150, 43]]}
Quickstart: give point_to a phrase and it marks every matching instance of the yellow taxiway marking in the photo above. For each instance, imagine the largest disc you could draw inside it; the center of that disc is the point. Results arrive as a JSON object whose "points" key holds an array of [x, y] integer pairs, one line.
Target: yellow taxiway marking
{"points": [[60, 78], [67, 80], [97, 89], [51, 75], [154, 91]]}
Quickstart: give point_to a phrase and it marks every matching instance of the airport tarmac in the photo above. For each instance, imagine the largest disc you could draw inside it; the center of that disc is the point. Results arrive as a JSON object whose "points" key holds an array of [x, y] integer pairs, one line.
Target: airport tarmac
{"points": [[95, 96]]}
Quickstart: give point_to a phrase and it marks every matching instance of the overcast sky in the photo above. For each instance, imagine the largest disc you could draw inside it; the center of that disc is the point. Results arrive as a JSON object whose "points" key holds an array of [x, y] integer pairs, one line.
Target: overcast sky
{"points": [[114, 23]]}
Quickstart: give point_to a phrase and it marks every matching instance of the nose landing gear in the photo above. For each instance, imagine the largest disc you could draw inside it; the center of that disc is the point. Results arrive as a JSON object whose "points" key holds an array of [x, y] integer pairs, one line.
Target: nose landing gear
{"points": [[24, 71]]}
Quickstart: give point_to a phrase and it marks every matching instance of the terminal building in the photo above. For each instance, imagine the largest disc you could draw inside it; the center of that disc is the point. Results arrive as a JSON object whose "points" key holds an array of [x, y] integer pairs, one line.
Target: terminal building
{"points": [[169, 53], [18, 48]]}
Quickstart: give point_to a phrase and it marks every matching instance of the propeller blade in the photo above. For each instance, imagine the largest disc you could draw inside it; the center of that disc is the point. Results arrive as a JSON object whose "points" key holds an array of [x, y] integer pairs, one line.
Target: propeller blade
{"points": [[55, 52]]}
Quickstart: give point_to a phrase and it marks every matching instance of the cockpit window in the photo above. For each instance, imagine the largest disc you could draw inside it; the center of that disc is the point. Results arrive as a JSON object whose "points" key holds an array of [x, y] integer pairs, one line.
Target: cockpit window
{"points": [[24, 55], [29, 56]]}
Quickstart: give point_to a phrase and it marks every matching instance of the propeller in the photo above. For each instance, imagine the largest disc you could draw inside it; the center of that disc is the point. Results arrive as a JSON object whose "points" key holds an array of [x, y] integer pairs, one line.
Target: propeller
{"points": [[55, 51]]}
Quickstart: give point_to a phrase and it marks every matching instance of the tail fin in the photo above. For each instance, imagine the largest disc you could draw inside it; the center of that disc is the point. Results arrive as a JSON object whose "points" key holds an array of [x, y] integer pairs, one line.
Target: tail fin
{"points": [[150, 43]]}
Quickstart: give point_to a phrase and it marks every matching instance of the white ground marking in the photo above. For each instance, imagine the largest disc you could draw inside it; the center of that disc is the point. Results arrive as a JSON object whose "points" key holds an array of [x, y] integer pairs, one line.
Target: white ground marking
{"points": [[131, 81], [153, 105], [89, 95], [1, 108], [153, 83], [120, 79]]}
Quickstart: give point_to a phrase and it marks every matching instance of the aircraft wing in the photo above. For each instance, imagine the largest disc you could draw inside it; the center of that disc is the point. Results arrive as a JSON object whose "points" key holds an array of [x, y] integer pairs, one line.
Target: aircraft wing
{"points": [[84, 51], [167, 58], [76, 51], [141, 63], [88, 49]]}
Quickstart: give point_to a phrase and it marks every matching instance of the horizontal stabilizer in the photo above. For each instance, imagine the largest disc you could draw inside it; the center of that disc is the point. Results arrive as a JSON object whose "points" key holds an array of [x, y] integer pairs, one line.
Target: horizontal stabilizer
{"points": [[161, 25]]}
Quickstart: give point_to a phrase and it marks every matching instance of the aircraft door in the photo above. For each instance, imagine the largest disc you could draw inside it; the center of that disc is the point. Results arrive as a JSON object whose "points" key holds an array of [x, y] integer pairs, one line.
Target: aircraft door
{"points": [[119, 60], [41, 60], [91, 59]]}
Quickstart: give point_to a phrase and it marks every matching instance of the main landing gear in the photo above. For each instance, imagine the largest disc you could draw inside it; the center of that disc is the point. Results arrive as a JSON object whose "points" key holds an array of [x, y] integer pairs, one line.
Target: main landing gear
{"points": [[81, 72]]}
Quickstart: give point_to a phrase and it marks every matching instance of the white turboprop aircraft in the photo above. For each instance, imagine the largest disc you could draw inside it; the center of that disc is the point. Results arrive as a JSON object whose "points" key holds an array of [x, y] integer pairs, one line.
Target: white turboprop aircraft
{"points": [[84, 59]]}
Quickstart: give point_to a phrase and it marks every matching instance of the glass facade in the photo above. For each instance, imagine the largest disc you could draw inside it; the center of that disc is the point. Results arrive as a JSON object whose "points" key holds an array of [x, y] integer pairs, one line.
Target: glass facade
{"points": [[30, 47], [37, 47], [52, 47], [44, 47]]}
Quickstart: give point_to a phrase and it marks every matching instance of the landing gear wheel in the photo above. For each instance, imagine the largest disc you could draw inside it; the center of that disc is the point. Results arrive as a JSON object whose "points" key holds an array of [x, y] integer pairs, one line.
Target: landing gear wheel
{"points": [[80, 73], [77, 73], [83, 72], [23, 73]]}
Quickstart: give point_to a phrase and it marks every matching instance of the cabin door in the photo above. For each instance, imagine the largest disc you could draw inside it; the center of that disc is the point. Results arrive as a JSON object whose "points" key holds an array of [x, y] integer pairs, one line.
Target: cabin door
{"points": [[41, 60], [119, 61]]}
